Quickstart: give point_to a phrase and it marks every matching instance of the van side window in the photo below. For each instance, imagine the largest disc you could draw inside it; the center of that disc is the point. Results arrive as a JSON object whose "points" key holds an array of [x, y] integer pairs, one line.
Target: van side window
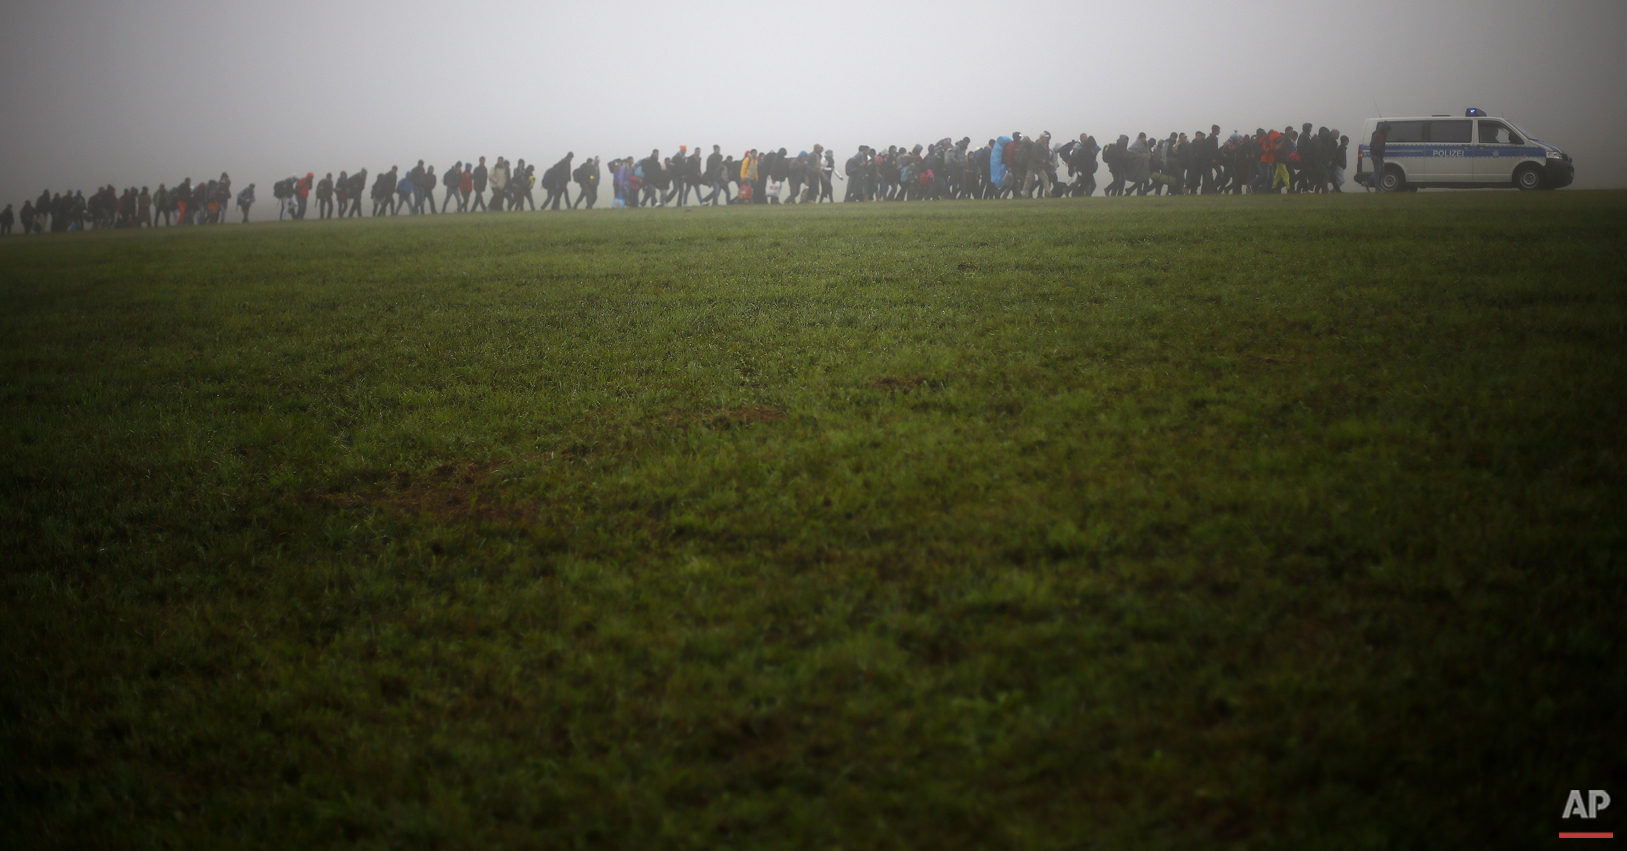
{"points": [[1498, 133], [1405, 131], [1449, 131]]}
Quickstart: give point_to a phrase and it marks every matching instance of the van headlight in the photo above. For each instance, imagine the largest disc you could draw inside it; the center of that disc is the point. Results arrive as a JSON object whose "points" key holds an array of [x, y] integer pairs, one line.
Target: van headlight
{"points": [[1557, 155]]}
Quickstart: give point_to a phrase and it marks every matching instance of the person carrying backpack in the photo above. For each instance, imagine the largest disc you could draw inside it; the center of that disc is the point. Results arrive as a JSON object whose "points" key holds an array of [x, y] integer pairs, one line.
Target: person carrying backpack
{"points": [[384, 192], [557, 180], [454, 176], [245, 200], [324, 196], [587, 182], [357, 187], [421, 181], [341, 190], [1011, 157], [281, 191]]}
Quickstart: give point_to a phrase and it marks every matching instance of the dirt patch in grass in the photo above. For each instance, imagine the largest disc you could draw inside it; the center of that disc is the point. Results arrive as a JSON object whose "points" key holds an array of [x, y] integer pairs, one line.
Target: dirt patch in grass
{"points": [[896, 383], [450, 492], [729, 417]]}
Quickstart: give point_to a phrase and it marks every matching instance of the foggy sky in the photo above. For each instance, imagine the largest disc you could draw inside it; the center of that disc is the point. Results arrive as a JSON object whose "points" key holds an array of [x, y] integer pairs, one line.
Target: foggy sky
{"points": [[142, 93]]}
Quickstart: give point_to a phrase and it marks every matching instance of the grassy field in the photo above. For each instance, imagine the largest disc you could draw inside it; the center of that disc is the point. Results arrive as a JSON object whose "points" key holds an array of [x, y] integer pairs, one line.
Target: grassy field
{"points": [[1291, 522]]}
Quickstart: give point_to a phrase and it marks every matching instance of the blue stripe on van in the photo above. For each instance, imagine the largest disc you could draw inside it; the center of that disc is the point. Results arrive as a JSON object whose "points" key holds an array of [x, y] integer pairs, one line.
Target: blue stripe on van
{"points": [[1402, 150]]}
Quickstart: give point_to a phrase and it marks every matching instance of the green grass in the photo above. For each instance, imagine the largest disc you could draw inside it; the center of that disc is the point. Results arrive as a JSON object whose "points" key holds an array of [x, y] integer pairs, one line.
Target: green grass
{"points": [[1210, 522]]}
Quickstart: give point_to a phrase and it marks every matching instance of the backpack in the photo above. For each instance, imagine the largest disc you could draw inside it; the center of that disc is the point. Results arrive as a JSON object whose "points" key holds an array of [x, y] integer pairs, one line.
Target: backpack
{"points": [[283, 188]]}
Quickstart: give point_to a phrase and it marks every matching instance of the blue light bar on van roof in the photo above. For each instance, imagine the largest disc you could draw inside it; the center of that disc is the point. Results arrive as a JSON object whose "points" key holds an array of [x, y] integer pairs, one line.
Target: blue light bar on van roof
{"points": [[1474, 111]]}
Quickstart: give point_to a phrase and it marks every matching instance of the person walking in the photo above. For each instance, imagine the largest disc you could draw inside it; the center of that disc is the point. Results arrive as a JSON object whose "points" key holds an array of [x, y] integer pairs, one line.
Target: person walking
{"points": [[403, 193], [384, 192], [715, 178], [42, 209], [245, 200], [341, 192], [182, 195], [748, 175], [478, 180], [1339, 159], [161, 206], [557, 180], [1035, 158], [449, 186], [520, 185], [587, 182], [324, 197], [1375, 151], [1285, 146], [358, 188], [499, 184], [449, 181], [144, 209], [302, 192], [423, 187]]}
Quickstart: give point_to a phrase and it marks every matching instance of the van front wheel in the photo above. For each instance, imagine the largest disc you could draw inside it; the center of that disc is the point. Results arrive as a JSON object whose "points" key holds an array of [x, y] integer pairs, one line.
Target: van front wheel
{"points": [[1528, 178], [1392, 181]]}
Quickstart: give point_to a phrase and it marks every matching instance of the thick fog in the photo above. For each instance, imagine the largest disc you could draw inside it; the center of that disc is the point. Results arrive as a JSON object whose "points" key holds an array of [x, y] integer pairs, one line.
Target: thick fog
{"points": [[142, 93]]}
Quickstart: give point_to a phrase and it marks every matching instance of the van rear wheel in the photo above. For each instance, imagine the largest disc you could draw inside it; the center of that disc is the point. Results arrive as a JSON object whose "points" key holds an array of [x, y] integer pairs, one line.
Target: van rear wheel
{"points": [[1392, 180], [1528, 178]]}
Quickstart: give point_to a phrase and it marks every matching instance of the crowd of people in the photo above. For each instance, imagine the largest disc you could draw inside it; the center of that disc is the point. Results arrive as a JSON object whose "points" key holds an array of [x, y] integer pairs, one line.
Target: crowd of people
{"points": [[1015, 166], [107, 207]]}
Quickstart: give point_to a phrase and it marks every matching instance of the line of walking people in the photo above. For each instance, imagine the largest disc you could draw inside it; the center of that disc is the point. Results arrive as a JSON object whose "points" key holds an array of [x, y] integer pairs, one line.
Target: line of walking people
{"points": [[463, 188], [1019, 166], [186, 203], [1266, 161], [651, 181]]}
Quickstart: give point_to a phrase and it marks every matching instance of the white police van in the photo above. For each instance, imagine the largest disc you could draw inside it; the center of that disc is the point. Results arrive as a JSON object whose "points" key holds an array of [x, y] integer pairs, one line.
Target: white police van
{"points": [[1475, 151]]}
